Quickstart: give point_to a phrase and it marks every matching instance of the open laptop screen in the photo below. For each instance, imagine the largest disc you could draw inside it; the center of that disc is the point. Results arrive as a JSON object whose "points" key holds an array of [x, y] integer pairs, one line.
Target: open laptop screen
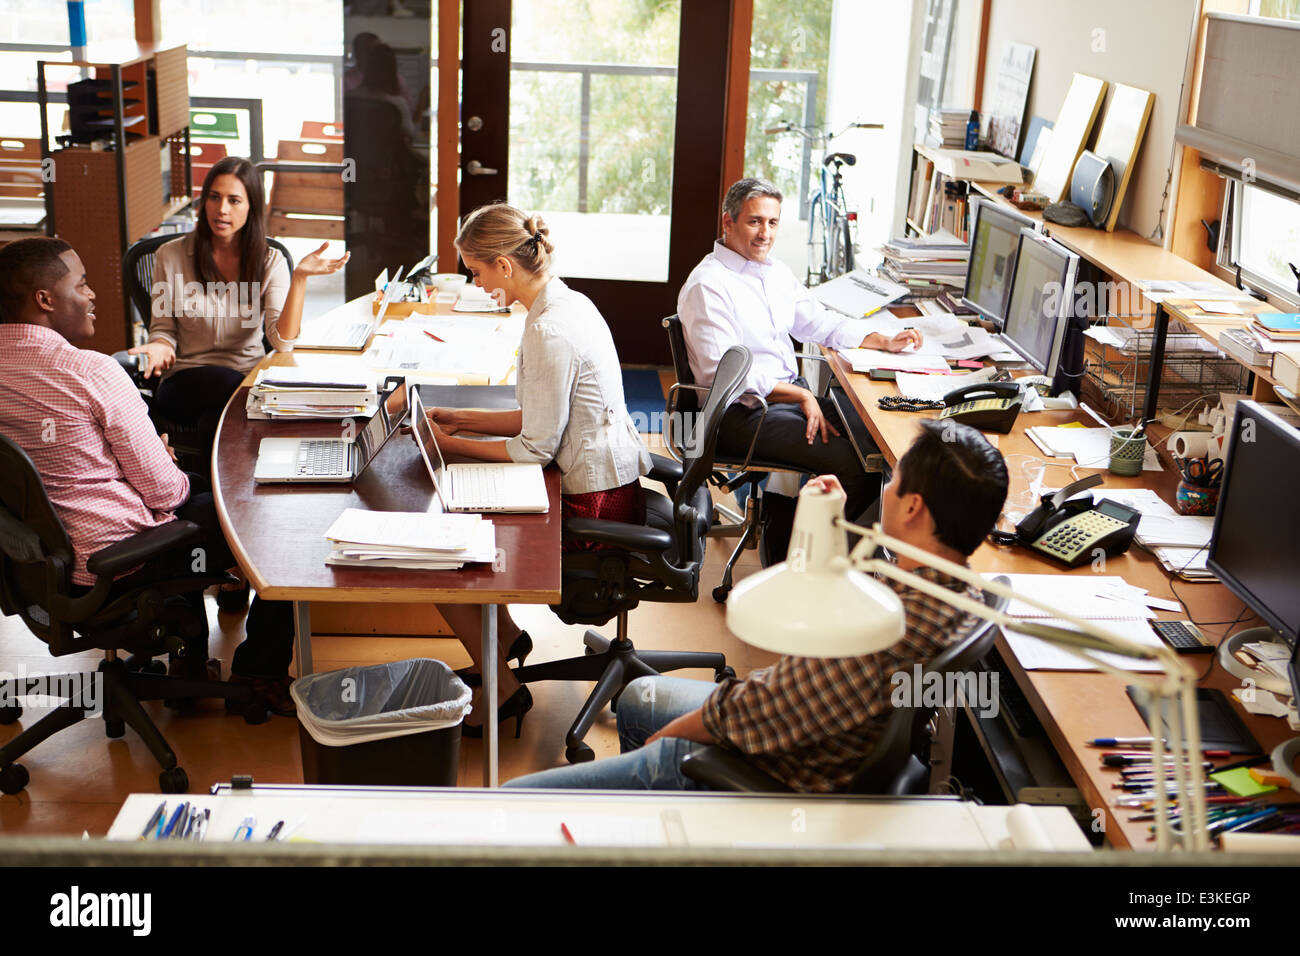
{"points": [[427, 444], [386, 420]]}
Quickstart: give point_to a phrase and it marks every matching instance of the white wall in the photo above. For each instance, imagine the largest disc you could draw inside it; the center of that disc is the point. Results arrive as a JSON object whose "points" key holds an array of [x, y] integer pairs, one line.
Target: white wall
{"points": [[1142, 43]]}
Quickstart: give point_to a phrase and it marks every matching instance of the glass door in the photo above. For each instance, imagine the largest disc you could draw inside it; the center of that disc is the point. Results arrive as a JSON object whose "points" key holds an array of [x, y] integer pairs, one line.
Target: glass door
{"points": [[577, 111]]}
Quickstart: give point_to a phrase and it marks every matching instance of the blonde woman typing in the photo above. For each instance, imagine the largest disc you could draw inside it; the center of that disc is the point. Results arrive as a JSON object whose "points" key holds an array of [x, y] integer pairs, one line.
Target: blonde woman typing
{"points": [[571, 406]]}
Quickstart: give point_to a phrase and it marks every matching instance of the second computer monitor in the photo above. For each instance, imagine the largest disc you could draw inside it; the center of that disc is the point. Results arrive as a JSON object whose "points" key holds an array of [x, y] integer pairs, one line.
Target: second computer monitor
{"points": [[994, 237], [1042, 295]]}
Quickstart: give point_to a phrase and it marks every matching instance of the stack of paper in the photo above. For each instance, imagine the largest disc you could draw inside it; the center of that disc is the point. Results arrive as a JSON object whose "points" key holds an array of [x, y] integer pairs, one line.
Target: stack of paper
{"points": [[410, 539], [1179, 542], [321, 390], [1114, 605], [927, 265], [1089, 447], [858, 293]]}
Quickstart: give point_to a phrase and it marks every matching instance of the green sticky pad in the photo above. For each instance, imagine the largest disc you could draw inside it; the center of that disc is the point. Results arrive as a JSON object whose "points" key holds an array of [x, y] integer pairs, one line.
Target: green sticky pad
{"points": [[1240, 783]]}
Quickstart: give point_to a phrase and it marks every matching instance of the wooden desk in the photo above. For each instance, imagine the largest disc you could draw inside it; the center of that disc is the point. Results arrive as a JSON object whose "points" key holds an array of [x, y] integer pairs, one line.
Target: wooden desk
{"points": [[276, 533], [1073, 706]]}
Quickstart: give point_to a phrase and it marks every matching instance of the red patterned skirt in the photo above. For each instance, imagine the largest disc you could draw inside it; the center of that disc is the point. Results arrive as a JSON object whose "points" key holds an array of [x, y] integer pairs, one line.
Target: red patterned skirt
{"points": [[617, 504]]}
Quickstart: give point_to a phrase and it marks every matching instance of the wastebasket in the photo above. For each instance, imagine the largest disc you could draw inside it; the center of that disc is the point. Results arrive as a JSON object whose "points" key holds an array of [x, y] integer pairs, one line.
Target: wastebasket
{"points": [[392, 724]]}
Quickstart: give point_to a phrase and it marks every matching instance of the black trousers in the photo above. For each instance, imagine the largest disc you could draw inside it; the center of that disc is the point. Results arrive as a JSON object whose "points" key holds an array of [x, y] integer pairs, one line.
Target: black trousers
{"points": [[267, 648], [782, 440], [196, 396]]}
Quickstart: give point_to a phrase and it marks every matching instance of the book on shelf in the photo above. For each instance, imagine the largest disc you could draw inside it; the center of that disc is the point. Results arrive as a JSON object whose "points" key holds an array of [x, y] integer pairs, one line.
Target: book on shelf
{"points": [[977, 165], [1242, 345], [1279, 325]]}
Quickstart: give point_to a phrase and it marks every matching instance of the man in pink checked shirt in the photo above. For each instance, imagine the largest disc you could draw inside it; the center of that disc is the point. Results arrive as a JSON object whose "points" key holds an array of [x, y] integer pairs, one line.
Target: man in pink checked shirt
{"points": [[82, 421], [739, 295]]}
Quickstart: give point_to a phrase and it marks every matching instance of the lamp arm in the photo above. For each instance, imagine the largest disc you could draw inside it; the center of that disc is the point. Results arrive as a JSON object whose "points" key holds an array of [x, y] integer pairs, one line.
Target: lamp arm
{"points": [[1178, 681]]}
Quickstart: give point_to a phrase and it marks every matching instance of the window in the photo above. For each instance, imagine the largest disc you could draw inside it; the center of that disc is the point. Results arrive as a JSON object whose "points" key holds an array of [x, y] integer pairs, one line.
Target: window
{"points": [[1263, 238], [1277, 9]]}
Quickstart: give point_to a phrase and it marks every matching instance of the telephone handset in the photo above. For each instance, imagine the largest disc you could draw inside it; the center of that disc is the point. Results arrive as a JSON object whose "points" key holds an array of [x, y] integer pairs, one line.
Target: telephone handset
{"points": [[988, 406], [1070, 529]]}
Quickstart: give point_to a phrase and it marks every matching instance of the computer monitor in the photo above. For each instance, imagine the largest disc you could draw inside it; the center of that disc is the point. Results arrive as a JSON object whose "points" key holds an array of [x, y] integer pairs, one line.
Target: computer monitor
{"points": [[1042, 297], [994, 237], [1255, 548]]}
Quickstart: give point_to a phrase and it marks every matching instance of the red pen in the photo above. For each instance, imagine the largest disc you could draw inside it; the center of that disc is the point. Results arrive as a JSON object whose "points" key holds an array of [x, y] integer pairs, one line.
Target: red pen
{"points": [[564, 828], [434, 337]]}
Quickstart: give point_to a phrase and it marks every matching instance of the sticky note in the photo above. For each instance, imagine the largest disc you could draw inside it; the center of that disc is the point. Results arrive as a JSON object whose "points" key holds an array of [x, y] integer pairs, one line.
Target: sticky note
{"points": [[1240, 783]]}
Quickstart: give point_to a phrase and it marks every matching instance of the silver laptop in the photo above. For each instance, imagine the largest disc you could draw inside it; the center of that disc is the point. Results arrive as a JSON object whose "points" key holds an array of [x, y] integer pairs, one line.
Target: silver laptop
{"points": [[336, 460], [477, 486], [350, 335]]}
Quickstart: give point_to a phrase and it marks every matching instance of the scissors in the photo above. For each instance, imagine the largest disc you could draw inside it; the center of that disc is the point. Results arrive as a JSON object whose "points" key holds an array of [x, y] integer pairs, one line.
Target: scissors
{"points": [[1205, 473]]}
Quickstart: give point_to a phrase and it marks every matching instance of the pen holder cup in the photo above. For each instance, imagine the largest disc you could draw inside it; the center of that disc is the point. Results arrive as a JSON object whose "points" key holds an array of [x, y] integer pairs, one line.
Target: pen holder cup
{"points": [[1126, 452], [1195, 499]]}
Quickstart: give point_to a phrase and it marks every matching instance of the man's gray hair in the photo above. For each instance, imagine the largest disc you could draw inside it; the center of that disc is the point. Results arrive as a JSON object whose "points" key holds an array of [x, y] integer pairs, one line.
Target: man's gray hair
{"points": [[744, 190]]}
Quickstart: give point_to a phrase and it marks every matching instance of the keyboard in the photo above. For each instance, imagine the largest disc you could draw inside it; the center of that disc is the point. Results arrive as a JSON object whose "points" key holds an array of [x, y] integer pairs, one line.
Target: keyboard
{"points": [[342, 334], [479, 487], [327, 458]]}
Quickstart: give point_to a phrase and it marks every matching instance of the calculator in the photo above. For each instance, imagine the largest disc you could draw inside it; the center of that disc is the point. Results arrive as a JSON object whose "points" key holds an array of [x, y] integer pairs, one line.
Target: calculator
{"points": [[1182, 636]]}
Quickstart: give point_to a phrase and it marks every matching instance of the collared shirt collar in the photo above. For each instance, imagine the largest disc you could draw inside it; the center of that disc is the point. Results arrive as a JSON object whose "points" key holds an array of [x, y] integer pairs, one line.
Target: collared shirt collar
{"points": [[735, 261], [26, 332], [554, 287]]}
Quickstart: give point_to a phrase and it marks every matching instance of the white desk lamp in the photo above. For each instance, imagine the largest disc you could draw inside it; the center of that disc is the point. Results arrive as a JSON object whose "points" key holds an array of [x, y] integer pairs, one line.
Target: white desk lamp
{"points": [[822, 602]]}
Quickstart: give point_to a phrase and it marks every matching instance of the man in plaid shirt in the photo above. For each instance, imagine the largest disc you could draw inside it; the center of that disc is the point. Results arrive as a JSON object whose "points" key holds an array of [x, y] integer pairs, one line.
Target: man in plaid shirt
{"points": [[810, 722], [108, 474]]}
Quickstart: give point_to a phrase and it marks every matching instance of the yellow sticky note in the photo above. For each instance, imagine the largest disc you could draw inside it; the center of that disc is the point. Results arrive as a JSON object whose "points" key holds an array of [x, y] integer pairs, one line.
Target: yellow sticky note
{"points": [[1073, 425], [1240, 783]]}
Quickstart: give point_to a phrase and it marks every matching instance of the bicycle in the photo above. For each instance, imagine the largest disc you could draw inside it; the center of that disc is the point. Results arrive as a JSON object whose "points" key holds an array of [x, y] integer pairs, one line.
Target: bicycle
{"points": [[831, 226]]}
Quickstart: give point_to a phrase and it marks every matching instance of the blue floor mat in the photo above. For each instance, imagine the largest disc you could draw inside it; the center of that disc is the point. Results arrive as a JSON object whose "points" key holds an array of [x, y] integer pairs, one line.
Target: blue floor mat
{"points": [[645, 398]]}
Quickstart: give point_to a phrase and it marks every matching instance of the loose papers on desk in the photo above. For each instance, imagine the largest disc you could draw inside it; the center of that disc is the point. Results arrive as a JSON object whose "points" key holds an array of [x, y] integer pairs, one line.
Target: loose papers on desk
{"points": [[1106, 599], [1179, 542], [480, 348], [1089, 447], [320, 390], [410, 539], [858, 293], [933, 388]]}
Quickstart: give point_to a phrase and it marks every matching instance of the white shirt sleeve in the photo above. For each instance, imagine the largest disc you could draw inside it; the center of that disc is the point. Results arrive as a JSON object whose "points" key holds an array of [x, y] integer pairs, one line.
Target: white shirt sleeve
{"points": [[815, 323], [548, 374]]}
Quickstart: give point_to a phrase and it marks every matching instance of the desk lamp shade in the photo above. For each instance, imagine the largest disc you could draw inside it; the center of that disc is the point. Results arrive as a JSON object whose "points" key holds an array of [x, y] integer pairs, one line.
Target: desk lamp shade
{"points": [[814, 604]]}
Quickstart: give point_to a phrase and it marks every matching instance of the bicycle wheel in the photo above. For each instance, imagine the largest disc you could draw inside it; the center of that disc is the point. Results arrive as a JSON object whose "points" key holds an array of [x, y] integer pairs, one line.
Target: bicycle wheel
{"points": [[840, 258], [817, 253]]}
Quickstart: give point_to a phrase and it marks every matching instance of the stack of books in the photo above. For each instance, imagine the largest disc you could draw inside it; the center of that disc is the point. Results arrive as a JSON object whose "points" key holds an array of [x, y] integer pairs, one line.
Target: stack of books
{"points": [[414, 540], [1280, 334], [927, 265], [956, 129], [313, 392]]}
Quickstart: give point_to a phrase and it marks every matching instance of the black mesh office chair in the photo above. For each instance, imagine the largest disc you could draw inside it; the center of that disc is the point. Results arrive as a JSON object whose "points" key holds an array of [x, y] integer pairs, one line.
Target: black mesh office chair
{"points": [[659, 561], [898, 764], [730, 473], [139, 613], [137, 276]]}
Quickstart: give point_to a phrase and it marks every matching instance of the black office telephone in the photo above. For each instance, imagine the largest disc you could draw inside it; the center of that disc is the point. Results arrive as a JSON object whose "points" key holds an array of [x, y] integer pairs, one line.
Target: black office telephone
{"points": [[1070, 530], [988, 406]]}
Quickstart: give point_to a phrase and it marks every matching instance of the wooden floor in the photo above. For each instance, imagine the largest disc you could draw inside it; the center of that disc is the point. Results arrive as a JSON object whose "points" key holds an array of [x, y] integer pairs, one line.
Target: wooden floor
{"points": [[79, 778]]}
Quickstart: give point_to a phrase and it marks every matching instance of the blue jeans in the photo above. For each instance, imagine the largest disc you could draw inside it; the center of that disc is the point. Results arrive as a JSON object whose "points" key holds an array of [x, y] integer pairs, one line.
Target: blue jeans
{"points": [[647, 704]]}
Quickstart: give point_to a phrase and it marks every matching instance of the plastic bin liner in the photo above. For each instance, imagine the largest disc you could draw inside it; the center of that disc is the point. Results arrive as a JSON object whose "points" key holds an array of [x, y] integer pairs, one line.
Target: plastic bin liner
{"points": [[356, 705]]}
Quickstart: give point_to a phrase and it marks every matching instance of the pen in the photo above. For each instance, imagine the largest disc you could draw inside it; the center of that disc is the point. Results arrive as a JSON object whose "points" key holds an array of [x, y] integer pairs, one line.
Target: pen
{"points": [[434, 337], [181, 824], [1121, 742], [176, 815], [568, 836], [292, 830], [201, 828], [246, 828], [1248, 762], [275, 830], [153, 820]]}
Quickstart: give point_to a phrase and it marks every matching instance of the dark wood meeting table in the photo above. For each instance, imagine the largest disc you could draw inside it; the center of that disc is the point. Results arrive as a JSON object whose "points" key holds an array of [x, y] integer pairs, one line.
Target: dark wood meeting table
{"points": [[277, 534]]}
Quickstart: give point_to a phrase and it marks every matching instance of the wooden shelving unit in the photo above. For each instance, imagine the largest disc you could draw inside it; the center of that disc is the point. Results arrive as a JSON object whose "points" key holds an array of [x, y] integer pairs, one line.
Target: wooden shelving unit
{"points": [[108, 194]]}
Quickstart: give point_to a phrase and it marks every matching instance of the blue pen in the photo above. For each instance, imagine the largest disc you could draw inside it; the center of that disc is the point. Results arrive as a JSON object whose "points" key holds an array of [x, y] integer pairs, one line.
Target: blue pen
{"points": [[246, 828], [171, 824], [1242, 823]]}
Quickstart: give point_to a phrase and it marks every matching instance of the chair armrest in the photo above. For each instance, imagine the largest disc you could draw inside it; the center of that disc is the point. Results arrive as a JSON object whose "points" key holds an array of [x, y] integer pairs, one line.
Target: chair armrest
{"points": [[139, 548], [664, 469], [620, 534], [131, 365], [717, 768]]}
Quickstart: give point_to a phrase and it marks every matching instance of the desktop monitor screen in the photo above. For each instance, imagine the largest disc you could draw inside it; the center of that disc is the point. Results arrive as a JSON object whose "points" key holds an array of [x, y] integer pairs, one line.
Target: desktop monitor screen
{"points": [[1255, 548], [994, 237], [1042, 296]]}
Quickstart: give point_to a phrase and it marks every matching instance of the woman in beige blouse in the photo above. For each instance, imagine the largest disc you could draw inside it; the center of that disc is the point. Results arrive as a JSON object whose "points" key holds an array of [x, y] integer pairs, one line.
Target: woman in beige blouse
{"points": [[215, 293], [571, 406]]}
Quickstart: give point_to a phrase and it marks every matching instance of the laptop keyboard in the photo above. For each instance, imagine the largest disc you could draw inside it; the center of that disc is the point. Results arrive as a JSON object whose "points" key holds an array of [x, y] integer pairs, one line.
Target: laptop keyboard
{"points": [[351, 334], [327, 458], [356, 334], [480, 487]]}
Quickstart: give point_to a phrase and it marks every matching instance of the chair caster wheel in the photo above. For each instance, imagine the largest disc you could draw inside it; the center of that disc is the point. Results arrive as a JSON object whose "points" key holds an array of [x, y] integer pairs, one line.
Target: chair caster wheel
{"points": [[580, 753], [174, 780], [255, 712], [720, 676], [114, 728], [720, 594], [13, 779], [9, 714], [155, 667]]}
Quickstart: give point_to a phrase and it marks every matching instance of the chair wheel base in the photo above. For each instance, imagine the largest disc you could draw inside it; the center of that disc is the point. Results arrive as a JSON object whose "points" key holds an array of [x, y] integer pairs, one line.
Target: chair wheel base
{"points": [[720, 594], [579, 753], [10, 713], [14, 779], [255, 712], [174, 780]]}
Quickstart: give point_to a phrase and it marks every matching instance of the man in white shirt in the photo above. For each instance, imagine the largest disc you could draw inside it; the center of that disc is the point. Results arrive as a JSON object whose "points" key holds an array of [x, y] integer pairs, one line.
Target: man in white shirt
{"points": [[739, 296]]}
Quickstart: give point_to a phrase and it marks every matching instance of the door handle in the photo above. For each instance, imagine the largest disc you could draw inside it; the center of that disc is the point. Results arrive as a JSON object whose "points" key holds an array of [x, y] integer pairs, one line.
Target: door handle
{"points": [[475, 168]]}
